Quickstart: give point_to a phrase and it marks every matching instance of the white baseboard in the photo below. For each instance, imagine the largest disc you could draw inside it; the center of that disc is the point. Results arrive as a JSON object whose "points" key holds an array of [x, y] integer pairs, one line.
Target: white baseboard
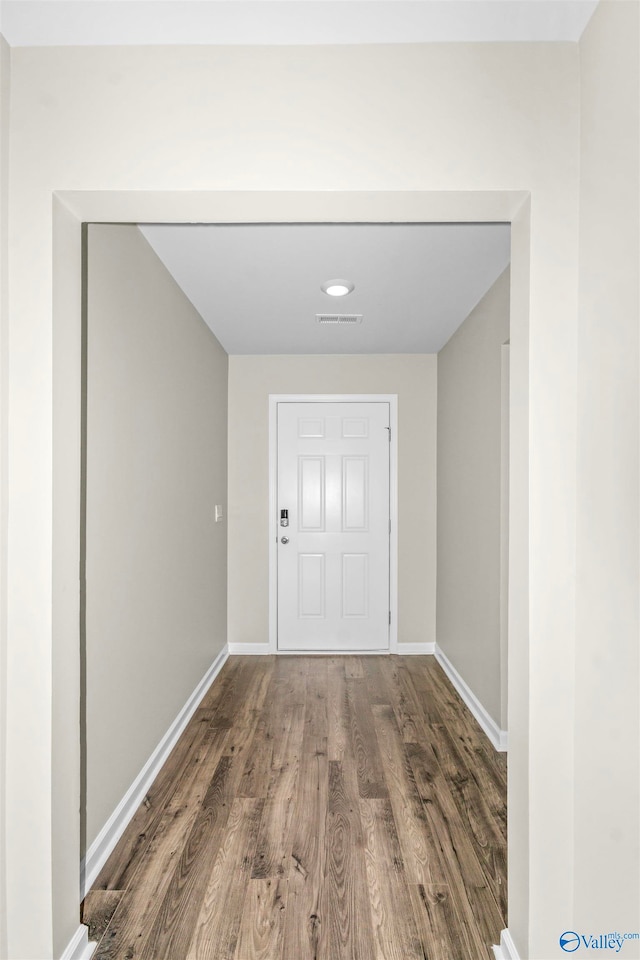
{"points": [[415, 649], [507, 949], [264, 649], [79, 947], [497, 736], [97, 854], [249, 649]]}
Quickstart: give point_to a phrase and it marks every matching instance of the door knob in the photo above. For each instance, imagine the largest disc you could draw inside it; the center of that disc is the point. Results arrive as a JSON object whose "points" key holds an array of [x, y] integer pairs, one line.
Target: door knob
{"points": [[285, 540]]}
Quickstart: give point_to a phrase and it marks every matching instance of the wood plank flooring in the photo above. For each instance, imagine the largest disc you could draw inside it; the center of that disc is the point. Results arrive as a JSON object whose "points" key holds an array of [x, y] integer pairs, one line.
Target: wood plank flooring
{"points": [[316, 808]]}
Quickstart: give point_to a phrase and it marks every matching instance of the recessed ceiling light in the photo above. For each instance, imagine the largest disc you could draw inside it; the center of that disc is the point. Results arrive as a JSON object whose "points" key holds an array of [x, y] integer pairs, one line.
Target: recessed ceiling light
{"points": [[337, 288]]}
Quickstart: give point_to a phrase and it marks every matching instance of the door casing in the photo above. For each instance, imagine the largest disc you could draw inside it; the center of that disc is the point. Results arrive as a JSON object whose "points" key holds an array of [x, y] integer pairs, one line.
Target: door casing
{"points": [[274, 400], [57, 854]]}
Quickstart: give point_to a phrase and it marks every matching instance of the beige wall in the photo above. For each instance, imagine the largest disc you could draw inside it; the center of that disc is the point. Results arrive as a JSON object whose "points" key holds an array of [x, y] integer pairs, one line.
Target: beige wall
{"points": [[420, 130], [156, 465], [251, 380], [5, 56], [469, 513], [607, 720]]}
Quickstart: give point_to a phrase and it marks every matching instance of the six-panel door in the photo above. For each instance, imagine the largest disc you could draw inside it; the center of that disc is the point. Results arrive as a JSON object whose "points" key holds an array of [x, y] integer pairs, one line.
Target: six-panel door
{"points": [[333, 573]]}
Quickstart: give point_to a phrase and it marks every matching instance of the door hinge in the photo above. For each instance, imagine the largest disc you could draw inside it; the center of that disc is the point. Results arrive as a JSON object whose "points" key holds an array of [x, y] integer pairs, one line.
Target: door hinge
{"points": [[389, 429], [389, 617]]}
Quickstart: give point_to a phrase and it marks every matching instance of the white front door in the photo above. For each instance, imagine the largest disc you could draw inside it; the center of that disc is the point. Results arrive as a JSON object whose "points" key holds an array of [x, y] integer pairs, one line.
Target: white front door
{"points": [[333, 557]]}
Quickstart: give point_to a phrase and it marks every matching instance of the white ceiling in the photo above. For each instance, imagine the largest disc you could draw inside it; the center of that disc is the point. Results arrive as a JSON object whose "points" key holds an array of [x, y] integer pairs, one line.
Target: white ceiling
{"points": [[258, 286], [108, 22]]}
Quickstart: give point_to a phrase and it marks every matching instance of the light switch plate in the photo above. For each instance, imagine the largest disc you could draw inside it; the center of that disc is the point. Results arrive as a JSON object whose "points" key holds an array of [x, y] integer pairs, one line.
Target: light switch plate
{"points": [[218, 512]]}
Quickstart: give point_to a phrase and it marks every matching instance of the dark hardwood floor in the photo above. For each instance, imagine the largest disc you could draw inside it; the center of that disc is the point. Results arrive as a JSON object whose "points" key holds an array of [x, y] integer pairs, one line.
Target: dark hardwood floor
{"points": [[316, 808]]}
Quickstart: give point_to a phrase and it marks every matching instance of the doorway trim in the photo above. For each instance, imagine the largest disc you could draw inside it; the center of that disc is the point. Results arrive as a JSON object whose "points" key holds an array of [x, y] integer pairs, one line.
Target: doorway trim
{"points": [[55, 854], [274, 400]]}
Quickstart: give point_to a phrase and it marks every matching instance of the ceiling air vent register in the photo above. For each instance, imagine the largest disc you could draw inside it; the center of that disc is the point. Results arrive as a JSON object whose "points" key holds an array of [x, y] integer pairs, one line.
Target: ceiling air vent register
{"points": [[339, 318]]}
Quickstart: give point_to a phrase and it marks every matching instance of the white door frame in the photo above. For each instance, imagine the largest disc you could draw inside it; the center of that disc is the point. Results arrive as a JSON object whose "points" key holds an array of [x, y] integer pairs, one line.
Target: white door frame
{"points": [[50, 606], [274, 400]]}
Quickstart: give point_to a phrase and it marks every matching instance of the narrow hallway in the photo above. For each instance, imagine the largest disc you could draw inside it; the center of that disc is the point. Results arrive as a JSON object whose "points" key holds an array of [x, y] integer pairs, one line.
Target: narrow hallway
{"points": [[315, 808]]}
